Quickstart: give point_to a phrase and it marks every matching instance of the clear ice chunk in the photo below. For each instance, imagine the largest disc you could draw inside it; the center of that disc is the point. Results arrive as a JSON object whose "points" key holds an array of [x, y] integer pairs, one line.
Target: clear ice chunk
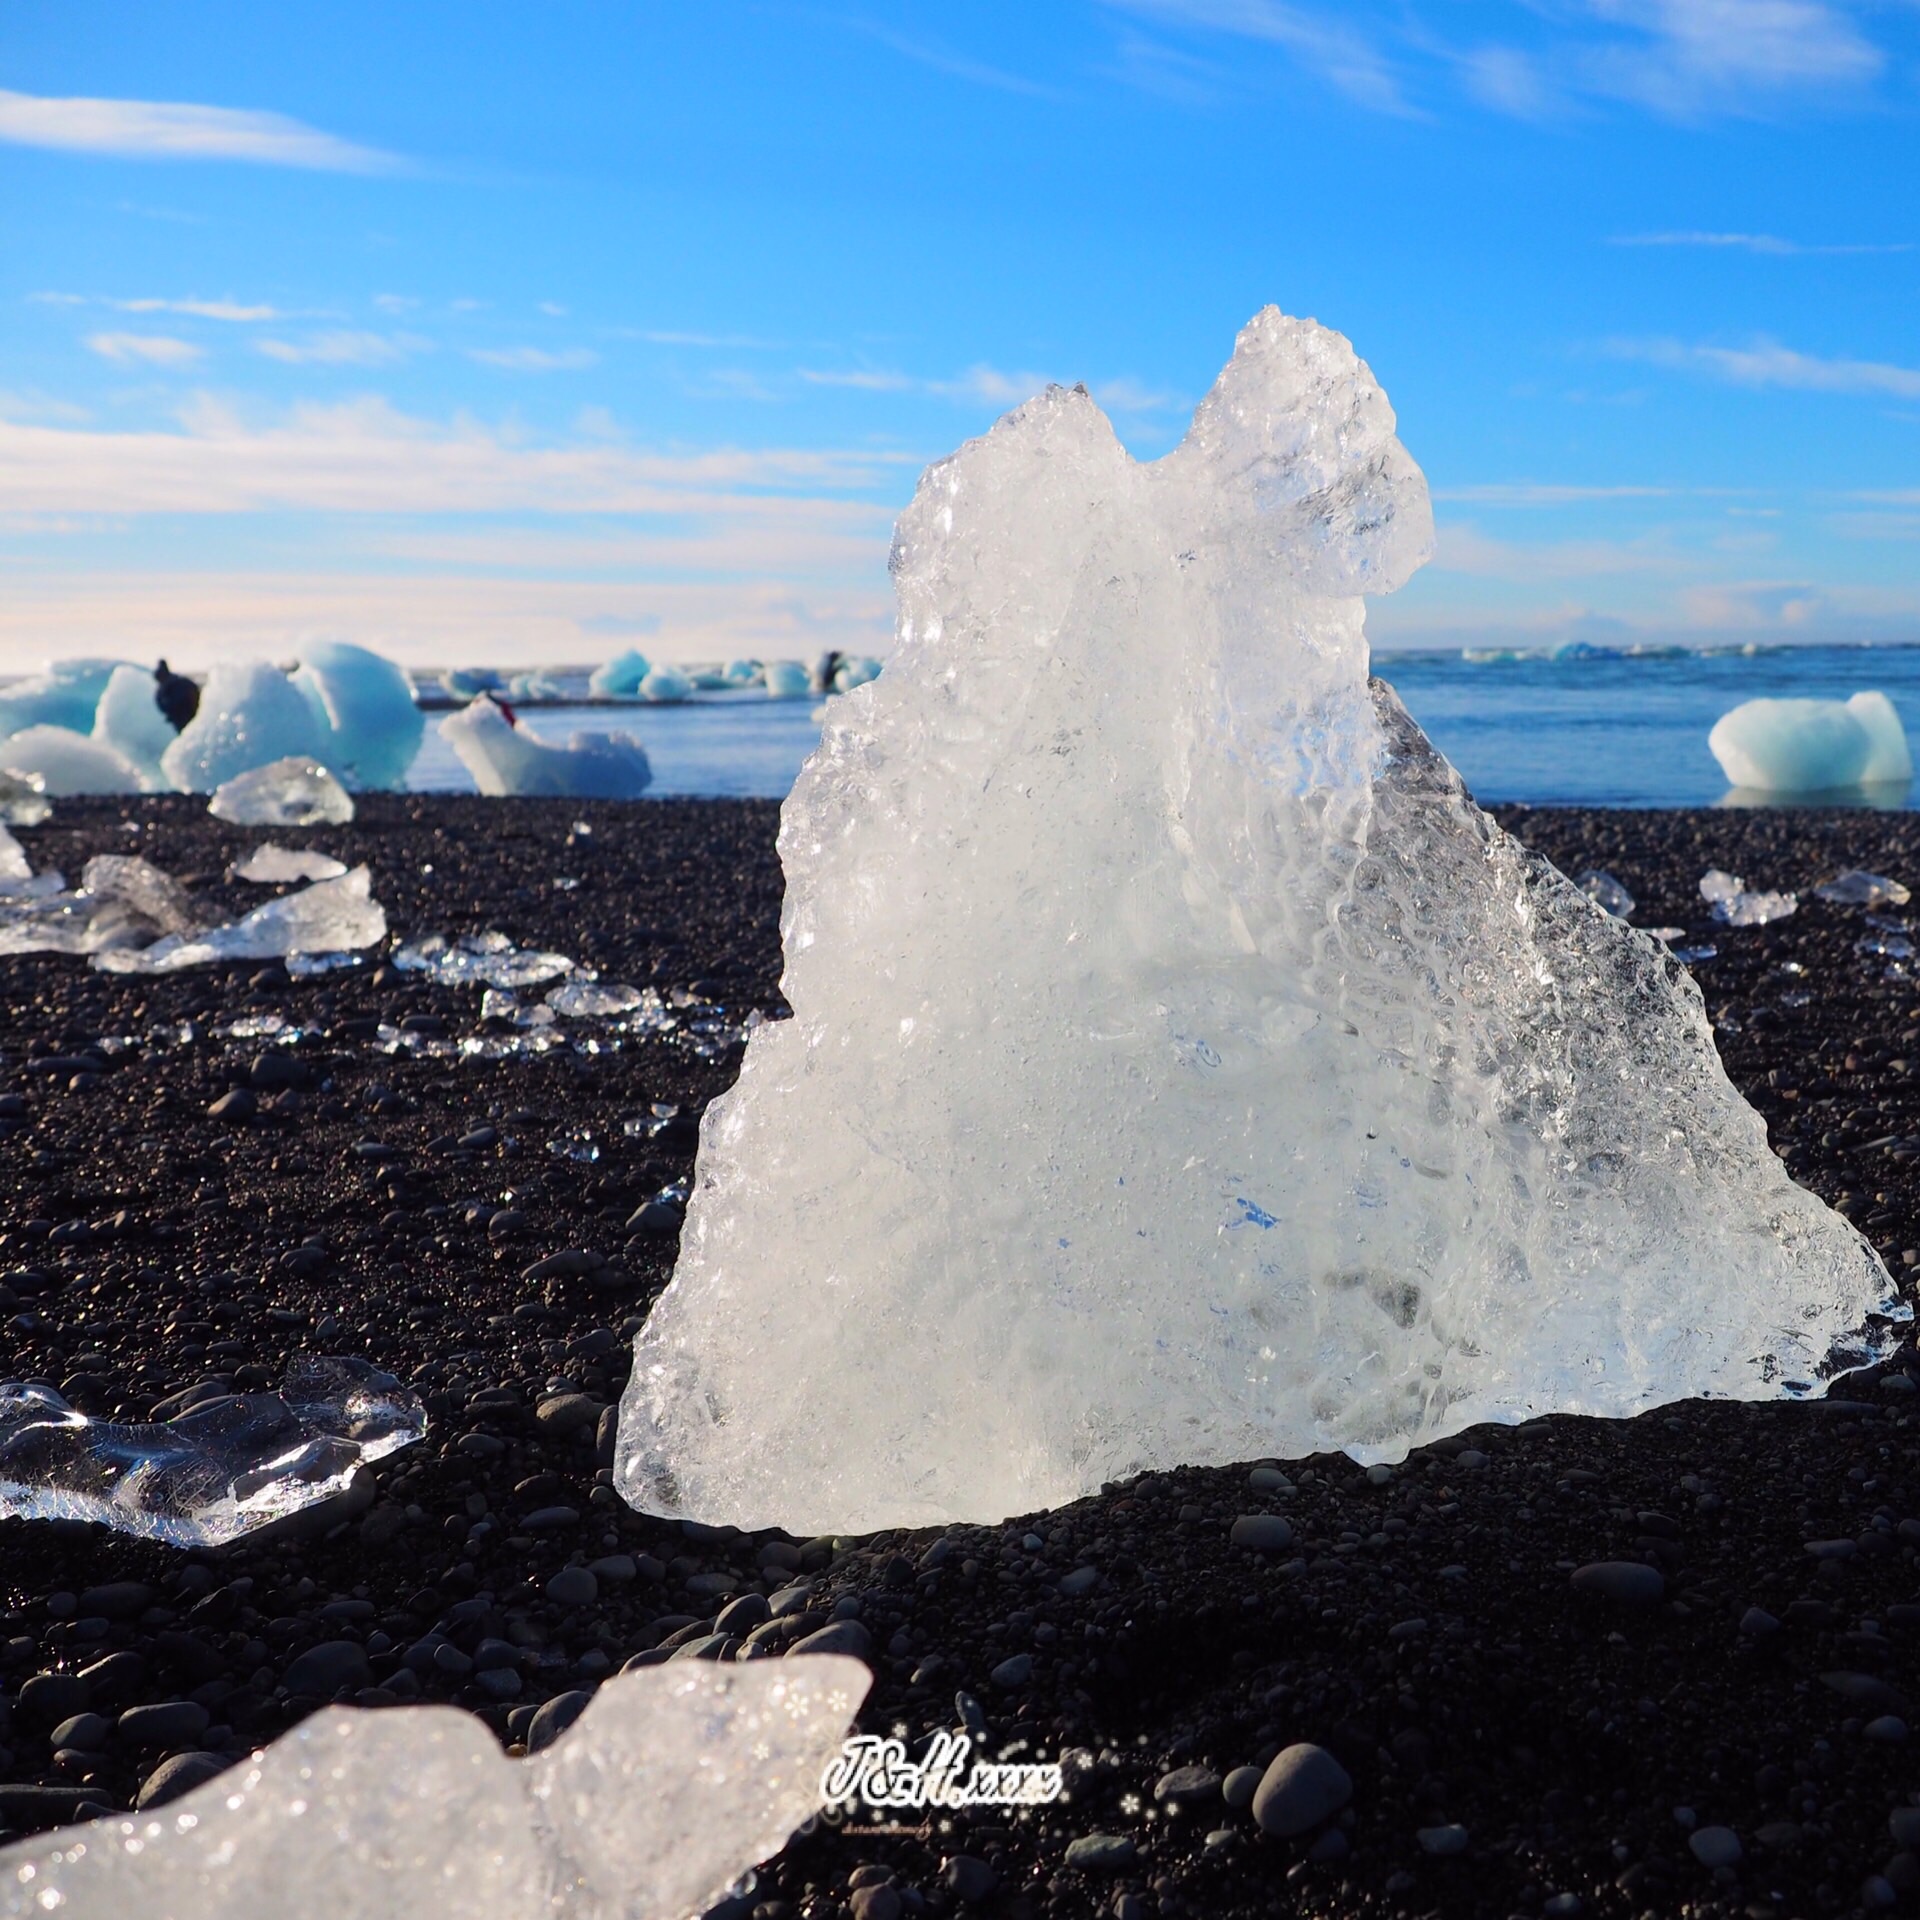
{"points": [[1812, 746], [479, 960], [365, 705], [23, 799], [505, 759], [1856, 888], [65, 762], [270, 864], [595, 999], [674, 1781], [1606, 892], [1737, 906], [224, 1468], [295, 792], [250, 715], [328, 917], [1182, 1068]]}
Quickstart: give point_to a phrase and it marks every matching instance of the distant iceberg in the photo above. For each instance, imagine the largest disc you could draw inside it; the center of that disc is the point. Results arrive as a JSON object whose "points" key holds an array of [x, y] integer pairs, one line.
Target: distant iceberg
{"points": [[1812, 746]]}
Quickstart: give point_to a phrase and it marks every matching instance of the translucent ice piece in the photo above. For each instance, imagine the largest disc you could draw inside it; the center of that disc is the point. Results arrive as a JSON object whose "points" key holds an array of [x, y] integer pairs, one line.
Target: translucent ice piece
{"points": [[250, 715], [1857, 889], [1812, 746], [620, 678], [65, 762], [479, 959], [595, 999], [372, 726], [221, 1470], [787, 679], [270, 864], [129, 721], [1606, 892], [330, 917], [23, 799], [295, 792], [674, 1781], [1734, 904], [65, 695], [1183, 1069], [506, 759], [855, 671], [142, 891], [15, 868]]}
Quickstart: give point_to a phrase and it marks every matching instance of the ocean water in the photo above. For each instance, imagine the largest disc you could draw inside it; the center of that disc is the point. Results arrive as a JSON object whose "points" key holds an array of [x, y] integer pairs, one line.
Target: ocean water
{"points": [[1602, 729]]}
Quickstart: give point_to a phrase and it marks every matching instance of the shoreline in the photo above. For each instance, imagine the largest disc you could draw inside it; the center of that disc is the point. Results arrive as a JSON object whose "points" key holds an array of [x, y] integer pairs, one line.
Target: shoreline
{"points": [[1424, 1629]]}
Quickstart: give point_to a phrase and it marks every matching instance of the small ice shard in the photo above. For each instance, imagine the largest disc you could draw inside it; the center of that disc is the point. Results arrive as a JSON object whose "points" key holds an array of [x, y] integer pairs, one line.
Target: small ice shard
{"points": [[250, 715], [787, 679], [142, 892], [295, 792], [65, 695], [595, 1000], [226, 1467], [481, 960], [674, 1781], [620, 677], [271, 864], [1812, 746], [1606, 893], [365, 704], [128, 719], [65, 762], [330, 916], [1855, 888], [505, 759], [1732, 903], [23, 799], [666, 686], [1183, 1069]]}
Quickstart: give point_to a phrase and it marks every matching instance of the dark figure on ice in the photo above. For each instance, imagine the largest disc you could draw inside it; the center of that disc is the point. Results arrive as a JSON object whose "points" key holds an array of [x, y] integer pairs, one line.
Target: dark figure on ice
{"points": [[176, 696], [824, 670], [506, 712]]}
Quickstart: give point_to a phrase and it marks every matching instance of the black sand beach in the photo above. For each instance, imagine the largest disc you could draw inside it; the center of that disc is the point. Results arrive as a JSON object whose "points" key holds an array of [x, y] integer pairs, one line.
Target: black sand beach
{"points": [[1516, 1743]]}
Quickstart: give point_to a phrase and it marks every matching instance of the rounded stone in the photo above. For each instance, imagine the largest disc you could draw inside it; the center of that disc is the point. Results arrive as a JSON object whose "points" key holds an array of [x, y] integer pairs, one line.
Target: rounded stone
{"points": [[968, 1878], [1716, 1846], [1261, 1533], [169, 1723], [554, 1718], [573, 1587], [178, 1775], [1101, 1852], [1626, 1583], [1303, 1787], [1442, 1842], [1239, 1787], [327, 1668], [843, 1636]]}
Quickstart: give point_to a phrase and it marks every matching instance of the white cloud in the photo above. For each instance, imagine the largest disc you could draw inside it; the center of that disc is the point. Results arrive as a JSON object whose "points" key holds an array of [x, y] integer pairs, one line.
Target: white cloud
{"points": [[342, 349], [1768, 364], [175, 130], [144, 349], [536, 359], [1766, 243], [993, 387], [226, 310]]}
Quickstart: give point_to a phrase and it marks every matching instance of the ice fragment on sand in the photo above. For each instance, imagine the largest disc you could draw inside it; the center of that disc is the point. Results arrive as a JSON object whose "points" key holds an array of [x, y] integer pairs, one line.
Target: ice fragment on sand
{"points": [[1606, 892], [507, 759], [295, 792], [1812, 746], [364, 703], [479, 959], [66, 762], [270, 863], [250, 715], [1122, 915], [228, 1466], [595, 999], [673, 1782], [330, 917], [1733, 904], [1855, 888], [128, 719], [620, 678], [23, 799]]}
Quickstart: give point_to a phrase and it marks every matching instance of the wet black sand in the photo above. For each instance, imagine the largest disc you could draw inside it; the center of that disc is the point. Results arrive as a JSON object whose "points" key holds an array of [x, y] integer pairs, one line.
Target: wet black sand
{"points": [[1426, 1630]]}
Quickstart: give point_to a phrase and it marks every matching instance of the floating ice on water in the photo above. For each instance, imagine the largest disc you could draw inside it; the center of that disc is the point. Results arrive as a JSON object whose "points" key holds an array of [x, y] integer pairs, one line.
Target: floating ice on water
{"points": [[269, 863], [250, 714], [295, 792], [479, 959], [371, 727], [329, 917], [1182, 1068], [620, 678], [743, 673], [225, 1468], [128, 719], [1857, 889], [787, 679], [468, 683], [1727, 894], [507, 759], [534, 685], [1606, 892], [1812, 746], [674, 1781], [666, 685], [66, 762], [23, 799], [65, 695]]}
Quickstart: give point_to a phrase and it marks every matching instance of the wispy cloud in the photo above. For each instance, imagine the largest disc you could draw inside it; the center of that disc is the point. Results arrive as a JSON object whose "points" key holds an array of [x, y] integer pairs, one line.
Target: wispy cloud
{"points": [[342, 349], [225, 310], [536, 359], [176, 130], [144, 349], [1527, 493], [1768, 364], [1766, 243], [728, 342], [944, 59], [992, 386]]}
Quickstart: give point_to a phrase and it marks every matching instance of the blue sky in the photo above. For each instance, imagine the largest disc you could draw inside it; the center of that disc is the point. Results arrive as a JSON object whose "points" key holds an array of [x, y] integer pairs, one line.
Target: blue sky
{"points": [[510, 333]]}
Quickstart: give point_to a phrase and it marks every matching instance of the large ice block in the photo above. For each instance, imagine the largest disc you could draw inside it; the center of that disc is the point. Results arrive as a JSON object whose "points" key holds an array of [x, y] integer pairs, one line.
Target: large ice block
{"points": [[128, 719], [66, 762], [329, 916], [250, 714], [295, 792], [620, 677], [1812, 746], [64, 695], [1182, 1068], [505, 759], [365, 704]]}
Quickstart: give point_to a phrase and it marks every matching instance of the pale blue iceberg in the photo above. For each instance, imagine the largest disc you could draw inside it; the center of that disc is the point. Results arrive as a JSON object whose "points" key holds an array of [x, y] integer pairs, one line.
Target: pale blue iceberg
{"points": [[128, 719], [67, 762], [65, 695], [620, 678], [250, 714], [365, 704], [1812, 746], [505, 759]]}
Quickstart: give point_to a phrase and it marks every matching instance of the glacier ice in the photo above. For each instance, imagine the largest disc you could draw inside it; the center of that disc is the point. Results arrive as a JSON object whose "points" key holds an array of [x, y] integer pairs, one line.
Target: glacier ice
{"points": [[295, 792], [1855, 888], [620, 677], [1606, 892], [250, 714], [855, 670], [1812, 746], [479, 960], [666, 685], [231, 1464], [506, 759], [787, 679], [329, 916], [65, 695], [128, 719], [371, 725], [67, 762], [1182, 1068], [674, 1781], [269, 864], [1736, 905], [15, 869], [534, 685], [23, 799], [466, 683]]}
